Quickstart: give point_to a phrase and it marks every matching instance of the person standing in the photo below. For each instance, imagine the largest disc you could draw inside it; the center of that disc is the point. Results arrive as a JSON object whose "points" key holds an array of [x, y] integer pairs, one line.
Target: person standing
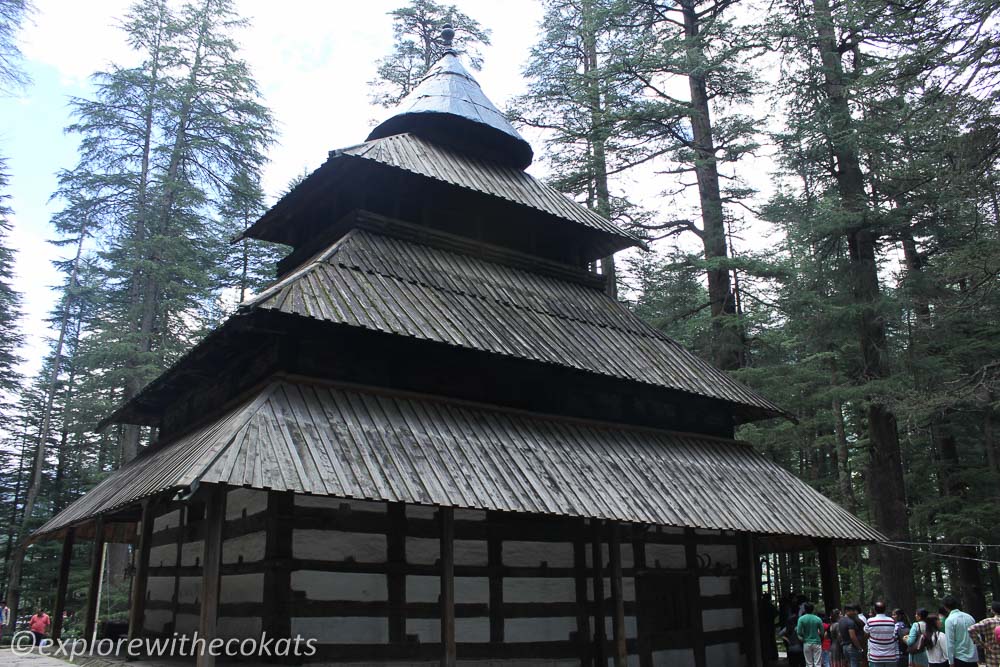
{"points": [[39, 625], [983, 635], [809, 628], [883, 639], [793, 645], [936, 642], [4, 618], [850, 638], [961, 649], [902, 630], [917, 639]]}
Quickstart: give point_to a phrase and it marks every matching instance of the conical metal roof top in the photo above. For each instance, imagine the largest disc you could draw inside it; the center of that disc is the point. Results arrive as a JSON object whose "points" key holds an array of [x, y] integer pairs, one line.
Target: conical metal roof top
{"points": [[448, 107]]}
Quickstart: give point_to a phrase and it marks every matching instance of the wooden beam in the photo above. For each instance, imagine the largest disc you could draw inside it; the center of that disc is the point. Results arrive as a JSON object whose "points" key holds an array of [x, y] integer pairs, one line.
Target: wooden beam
{"points": [[178, 555], [829, 579], [94, 583], [65, 561], [448, 648], [494, 561], [137, 609], [582, 603], [396, 577], [617, 600], [600, 632], [215, 519]]}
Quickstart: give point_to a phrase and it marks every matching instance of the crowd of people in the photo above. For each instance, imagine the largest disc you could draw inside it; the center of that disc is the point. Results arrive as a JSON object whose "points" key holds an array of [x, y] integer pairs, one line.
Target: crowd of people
{"points": [[854, 637]]}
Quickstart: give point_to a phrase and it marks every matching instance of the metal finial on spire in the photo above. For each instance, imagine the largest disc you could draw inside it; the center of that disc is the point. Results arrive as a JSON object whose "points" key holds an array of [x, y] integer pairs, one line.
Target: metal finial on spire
{"points": [[447, 35]]}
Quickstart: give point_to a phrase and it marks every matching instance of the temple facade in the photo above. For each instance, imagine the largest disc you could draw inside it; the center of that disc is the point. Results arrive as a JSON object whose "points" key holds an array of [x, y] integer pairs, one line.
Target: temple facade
{"points": [[435, 439]]}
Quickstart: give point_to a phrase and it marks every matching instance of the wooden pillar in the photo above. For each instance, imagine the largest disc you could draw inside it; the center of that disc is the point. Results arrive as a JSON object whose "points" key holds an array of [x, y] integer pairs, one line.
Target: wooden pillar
{"points": [[829, 578], [65, 561], [396, 572], [751, 601], [495, 565], [215, 519], [617, 599], [94, 584], [175, 598], [582, 601], [448, 649], [597, 557], [279, 527], [694, 595], [137, 609]]}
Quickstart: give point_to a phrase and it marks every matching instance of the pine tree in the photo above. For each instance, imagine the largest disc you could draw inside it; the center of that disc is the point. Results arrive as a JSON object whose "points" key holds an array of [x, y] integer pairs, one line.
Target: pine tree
{"points": [[416, 30], [12, 16], [10, 309]]}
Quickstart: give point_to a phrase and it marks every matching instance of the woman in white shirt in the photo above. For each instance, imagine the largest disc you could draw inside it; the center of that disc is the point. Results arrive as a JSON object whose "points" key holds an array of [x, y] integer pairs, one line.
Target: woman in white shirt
{"points": [[937, 652]]}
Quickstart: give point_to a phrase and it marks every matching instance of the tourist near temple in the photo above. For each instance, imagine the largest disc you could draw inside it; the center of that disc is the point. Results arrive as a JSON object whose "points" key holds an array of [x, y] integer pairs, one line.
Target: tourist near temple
{"points": [[436, 440]]}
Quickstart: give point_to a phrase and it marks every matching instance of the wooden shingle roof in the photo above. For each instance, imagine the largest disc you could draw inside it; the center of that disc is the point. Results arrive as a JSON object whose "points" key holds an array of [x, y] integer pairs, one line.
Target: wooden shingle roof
{"points": [[364, 443]]}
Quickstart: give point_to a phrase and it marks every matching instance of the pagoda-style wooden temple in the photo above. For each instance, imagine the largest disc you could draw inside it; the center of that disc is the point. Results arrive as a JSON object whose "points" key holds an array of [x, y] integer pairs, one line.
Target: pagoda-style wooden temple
{"points": [[435, 440]]}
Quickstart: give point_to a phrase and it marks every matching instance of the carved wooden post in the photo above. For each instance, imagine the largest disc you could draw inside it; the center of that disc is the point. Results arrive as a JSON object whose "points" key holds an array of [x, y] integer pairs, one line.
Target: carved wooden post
{"points": [[215, 519], [65, 561], [94, 585]]}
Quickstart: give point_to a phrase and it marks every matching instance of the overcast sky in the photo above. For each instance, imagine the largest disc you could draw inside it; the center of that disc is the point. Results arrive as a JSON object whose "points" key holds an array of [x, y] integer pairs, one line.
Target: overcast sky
{"points": [[312, 60]]}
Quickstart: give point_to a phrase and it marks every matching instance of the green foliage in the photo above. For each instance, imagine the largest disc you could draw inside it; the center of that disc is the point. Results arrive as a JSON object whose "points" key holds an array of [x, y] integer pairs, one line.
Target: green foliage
{"points": [[416, 30]]}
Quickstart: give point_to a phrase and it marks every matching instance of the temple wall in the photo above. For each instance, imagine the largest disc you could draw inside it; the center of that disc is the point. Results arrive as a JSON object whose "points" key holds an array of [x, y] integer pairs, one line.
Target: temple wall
{"points": [[363, 579]]}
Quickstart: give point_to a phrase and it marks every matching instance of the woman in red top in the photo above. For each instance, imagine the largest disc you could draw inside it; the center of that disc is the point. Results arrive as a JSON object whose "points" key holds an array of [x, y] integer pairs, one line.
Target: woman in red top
{"points": [[826, 642], [39, 625]]}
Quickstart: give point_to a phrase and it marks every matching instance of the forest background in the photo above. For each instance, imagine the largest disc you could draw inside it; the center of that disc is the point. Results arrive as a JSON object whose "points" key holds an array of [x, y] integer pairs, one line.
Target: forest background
{"points": [[817, 180]]}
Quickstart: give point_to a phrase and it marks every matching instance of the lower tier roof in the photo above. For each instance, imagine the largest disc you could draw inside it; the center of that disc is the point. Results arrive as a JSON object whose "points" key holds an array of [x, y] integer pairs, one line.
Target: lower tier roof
{"points": [[366, 443]]}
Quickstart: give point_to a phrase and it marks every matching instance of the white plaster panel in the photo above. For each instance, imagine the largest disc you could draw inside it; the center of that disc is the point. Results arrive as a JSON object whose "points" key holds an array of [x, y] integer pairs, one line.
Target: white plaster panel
{"points": [[187, 624], [336, 503], [725, 554], [245, 548], [422, 550], [357, 586], [192, 553], [539, 589], [677, 658], [472, 589], [156, 620], [239, 628], [188, 589], [164, 555], [251, 501], [160, 588], [427, 630], [470, 515], [533, 554], [166, 521], [342, 630], [421, 511], [724, 655], [556, 629], [715, 585], [471, 552], [670, 556], [472, 630], [721, 619], [242, 588], [421, 588], [339, 545]]}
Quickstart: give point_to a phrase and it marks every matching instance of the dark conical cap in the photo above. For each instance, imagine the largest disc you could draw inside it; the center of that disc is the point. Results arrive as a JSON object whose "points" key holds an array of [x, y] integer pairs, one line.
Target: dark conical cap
{"points": [[448, 107]]}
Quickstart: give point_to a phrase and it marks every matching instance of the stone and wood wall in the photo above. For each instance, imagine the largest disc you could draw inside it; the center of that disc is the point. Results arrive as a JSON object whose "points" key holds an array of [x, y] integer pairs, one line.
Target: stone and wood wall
{"points": [[365, 580]]}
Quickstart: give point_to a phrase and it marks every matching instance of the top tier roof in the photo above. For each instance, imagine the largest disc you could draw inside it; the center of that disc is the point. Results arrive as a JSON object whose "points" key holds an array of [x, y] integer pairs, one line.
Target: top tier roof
{"points": [[448, 107]]}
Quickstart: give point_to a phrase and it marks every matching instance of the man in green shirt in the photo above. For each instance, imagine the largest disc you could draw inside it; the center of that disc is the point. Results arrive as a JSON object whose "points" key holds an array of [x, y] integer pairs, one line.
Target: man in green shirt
{"points": [[810, 631], [961, 650]]}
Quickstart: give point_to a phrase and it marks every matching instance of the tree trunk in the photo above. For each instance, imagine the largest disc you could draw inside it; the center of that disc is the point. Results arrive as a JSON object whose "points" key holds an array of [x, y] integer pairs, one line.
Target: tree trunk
{"points": [[967, 572], [727, 335], [888, 497]]}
